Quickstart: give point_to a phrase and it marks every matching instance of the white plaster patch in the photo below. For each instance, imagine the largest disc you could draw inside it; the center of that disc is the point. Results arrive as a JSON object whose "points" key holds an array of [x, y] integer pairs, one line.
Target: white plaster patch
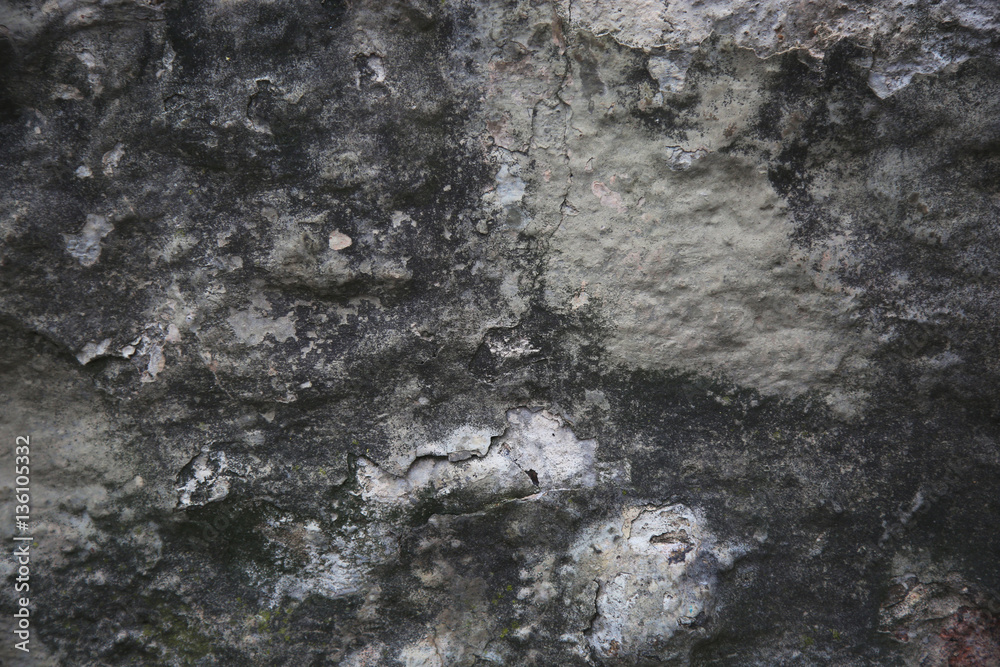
{"points": [[377, 66], [462, 443], [536, 453], [542, 442], [87, 58], [336, 565], [155, 364], [399, 217], [150, 345], [516, 348]]}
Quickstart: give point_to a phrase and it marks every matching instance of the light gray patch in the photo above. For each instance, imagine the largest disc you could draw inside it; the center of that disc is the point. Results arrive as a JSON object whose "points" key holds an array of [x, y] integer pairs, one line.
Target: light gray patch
{"points": [[906, 39], [649, 598], [92, 350], [112, 158], [670, 70], [251, 328], [703, 276], [85, 247]]}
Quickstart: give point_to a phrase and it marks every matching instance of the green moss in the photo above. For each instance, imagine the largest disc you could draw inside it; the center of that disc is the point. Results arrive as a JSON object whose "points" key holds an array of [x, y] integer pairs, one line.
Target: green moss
{"points": [[275, 621], [178, 634], [509, 629]]}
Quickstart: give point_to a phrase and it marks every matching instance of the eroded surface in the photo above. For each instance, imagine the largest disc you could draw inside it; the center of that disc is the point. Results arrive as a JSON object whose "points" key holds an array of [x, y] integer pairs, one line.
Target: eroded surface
{"points": [[535, 333]]}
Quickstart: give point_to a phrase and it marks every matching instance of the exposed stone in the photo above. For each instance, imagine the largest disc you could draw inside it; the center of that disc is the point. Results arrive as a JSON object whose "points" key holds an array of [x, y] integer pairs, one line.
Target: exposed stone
{"points": [[654, 584]]}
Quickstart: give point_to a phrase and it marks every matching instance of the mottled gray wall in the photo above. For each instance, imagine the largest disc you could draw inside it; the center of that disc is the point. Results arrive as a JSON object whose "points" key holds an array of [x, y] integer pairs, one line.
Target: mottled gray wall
{"points": [[461, 332]]}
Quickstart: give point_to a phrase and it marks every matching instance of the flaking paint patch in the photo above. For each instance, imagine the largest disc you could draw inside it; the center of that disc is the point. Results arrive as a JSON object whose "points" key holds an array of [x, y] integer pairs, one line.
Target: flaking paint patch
{"points": [[535, 441], [93, 350]]}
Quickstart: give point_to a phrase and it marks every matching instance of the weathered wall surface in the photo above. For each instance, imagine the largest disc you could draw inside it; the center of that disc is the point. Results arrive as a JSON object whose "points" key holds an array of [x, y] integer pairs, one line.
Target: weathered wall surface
{"points": [[466, 332]]}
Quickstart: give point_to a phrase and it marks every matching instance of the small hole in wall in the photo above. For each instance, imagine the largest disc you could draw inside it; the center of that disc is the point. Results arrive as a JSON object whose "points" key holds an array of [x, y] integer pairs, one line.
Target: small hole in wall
{"points": [[533, 475]]}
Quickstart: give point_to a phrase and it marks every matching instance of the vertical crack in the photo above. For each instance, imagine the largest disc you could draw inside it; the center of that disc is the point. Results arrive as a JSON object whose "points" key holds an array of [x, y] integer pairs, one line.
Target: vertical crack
{"points": [[564, 204], [437, 649]]}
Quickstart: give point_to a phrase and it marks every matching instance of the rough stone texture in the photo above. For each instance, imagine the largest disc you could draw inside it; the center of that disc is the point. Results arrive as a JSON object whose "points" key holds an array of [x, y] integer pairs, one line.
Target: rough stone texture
{"points": [[466, 332]]}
